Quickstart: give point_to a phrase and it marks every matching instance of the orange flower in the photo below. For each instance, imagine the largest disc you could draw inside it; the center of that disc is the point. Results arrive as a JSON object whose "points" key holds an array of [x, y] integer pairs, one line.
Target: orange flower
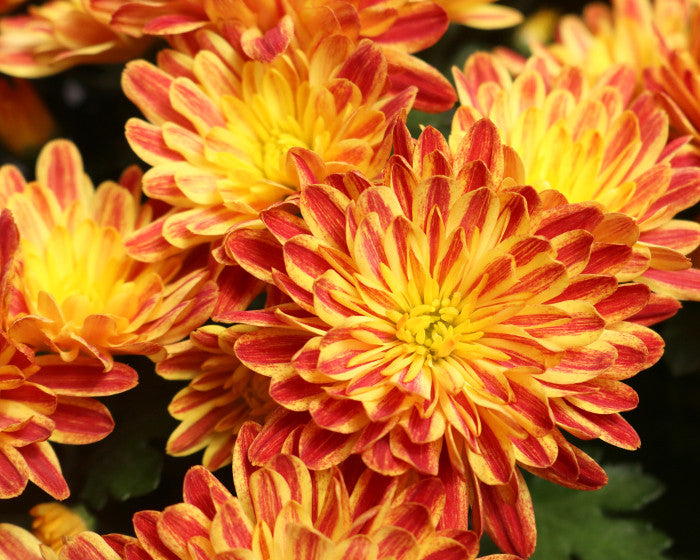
{"points": [[286, 512], [73, 289], [263, 30], [221, 395], [43, 398], [586, 140], [447, 327], [659, 40], [25, 121], [222, 130], [60, 34], [636, 33], [54, 523]]}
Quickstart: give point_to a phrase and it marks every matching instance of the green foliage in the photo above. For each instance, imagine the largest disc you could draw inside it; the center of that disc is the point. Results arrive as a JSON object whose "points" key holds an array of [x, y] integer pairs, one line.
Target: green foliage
{"points": [[129, 462], [597, 525]]}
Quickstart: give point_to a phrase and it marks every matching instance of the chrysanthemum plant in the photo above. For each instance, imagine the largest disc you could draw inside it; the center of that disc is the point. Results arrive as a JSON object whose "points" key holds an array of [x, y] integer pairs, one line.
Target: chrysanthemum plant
{"points": [[385, 333]]}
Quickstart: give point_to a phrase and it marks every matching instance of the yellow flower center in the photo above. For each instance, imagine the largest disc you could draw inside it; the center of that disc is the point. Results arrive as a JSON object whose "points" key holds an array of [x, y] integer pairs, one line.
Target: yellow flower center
{"points": [[433, 331], [272, 156], [83, 271]]}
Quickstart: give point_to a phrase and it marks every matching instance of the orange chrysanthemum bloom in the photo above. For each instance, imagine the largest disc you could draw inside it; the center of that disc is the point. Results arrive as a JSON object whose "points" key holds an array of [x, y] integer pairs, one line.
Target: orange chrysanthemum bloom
{"points": [[286, 512], [25, 122], [660, 40], [44, 399], [60, 34], [440, 325], [264, 30], [221, 395], [633, 33], [222, 129], [54, 523], [588, 141], [73, 288]]}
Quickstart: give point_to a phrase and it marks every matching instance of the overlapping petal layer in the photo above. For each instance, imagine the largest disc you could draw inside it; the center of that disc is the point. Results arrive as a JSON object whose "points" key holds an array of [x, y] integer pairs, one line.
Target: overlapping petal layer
{"points": [[264, 30], [638, 33], [286, 512], [71, 287], [25, 425], [59, 34], [588, 141], [222, 129], [659, 40], [440, 324], [43, 399], [221, 395]]}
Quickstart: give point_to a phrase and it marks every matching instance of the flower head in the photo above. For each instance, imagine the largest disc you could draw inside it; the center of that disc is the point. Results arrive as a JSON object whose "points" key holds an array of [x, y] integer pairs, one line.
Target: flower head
{"points": [[44, 398], [286, 512], [59, 34], [264, 30], [72, 288], [657, 39], [588, 141], [222, 130], [637, 33], [221, 395], [439, 324]]}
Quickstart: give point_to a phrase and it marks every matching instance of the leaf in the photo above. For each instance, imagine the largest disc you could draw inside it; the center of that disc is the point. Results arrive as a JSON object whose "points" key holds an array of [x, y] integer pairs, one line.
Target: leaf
{"points": [[596, 525], [129, 462]]}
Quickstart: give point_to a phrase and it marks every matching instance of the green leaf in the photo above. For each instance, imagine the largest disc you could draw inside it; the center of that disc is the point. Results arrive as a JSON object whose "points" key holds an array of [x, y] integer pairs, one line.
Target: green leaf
{"points": [[121, 471], [128, 463], [596, 525]]}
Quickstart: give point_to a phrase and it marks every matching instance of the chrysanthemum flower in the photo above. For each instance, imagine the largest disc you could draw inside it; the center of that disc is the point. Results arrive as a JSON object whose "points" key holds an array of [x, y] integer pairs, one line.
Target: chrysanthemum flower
{"points": [[44, 398], [636, 33], [286, 512], [60, 34], [440, 325], [221, 395], [264, 30], [73, 289], [222, 129], [54, 523], [658, 40], [588, 141], [25, 122]]}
